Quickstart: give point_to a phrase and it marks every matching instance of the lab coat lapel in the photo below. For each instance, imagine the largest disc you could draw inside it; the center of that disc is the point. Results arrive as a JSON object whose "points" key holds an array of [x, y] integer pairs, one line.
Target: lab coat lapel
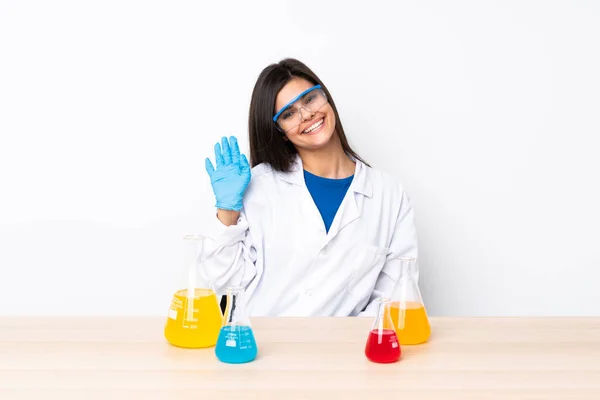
{"points": [[351, 207], [348, 212], [309, 215]]}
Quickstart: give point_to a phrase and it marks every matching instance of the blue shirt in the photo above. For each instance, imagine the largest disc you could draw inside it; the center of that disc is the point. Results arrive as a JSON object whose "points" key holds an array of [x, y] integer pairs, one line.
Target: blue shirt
{"points": [[327, 193]]}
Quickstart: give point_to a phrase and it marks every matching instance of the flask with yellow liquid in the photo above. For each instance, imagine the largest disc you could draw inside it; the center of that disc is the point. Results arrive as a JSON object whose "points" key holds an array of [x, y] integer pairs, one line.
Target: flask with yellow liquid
{"points": [[406, 306], [194, 317]]}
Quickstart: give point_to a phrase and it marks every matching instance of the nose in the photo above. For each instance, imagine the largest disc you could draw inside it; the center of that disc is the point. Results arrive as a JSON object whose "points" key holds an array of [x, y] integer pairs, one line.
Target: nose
{"points": [[306, 114]]}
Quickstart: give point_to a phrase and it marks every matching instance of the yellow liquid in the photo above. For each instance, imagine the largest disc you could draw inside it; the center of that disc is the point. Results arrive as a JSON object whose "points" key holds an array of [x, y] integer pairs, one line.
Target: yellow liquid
{"points": [[202, 330], [416, 328]]}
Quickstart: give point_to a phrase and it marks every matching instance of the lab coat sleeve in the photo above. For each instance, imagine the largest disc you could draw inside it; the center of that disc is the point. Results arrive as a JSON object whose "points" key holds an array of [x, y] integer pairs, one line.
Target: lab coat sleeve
{"points": [[403, 244], [229, 252]]}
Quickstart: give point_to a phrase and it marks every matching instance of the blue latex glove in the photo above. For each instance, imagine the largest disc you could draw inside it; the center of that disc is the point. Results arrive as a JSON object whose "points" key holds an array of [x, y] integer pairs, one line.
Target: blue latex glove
{"points": [[232, 176]]}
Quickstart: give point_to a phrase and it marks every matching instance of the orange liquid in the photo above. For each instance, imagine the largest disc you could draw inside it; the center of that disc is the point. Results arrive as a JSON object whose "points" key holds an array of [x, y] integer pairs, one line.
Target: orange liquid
{"points": [[202, 329], [411, 322]]}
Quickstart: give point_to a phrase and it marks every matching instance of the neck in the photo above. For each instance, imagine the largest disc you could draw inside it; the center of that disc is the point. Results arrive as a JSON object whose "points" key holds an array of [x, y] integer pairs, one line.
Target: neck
{"points": [[328, 162]]}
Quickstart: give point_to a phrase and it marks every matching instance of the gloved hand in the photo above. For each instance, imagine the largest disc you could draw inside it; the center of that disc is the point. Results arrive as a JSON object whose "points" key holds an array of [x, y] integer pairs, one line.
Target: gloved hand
{"points": [[232, 176]]}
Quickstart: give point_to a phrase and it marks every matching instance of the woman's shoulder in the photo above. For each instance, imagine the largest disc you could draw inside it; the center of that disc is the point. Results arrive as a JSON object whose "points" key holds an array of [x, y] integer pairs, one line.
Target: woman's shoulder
{"points": [[265, 188], [263, 176], [388, 191], [382, 181], [261, 169]]}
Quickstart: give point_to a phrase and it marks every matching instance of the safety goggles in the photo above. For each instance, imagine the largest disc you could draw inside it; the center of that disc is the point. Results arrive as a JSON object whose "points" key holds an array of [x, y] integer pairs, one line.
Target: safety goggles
{"points": [[305, 104]]}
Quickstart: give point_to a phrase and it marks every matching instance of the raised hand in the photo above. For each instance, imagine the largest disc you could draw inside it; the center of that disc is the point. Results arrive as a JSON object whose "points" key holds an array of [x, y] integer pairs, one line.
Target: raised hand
{"points": [[232, 175]]}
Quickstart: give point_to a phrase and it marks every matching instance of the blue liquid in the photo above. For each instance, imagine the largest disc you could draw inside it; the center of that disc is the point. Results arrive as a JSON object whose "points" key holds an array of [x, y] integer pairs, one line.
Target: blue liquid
{"points": [[236, 345]]}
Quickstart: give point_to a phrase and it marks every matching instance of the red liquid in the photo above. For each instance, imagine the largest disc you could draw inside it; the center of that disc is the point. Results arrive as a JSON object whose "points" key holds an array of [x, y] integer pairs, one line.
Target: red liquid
{"points": [[383, 348]]}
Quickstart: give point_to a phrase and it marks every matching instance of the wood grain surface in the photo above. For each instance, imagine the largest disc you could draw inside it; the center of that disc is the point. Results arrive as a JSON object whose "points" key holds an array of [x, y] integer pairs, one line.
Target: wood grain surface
{"points": [[301, 358]]}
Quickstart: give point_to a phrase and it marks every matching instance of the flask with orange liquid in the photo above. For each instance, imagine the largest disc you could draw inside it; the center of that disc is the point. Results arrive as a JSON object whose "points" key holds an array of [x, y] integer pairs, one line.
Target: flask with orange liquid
{"points": [[406, 306], [194, 318]]}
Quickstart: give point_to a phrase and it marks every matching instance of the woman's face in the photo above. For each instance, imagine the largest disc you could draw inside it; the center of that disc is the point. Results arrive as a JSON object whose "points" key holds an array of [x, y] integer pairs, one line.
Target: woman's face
{"points": [[315, 129]]}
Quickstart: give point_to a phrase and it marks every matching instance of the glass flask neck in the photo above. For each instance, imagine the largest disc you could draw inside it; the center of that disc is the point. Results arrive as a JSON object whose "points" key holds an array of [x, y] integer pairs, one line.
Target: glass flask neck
{"points": [[383, 319], [406, 293], [235, 312], [193, 250], [408, 267], [194, 275]]}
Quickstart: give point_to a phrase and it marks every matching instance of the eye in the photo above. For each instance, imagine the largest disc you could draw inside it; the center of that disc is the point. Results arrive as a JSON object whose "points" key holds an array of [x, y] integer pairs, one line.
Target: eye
{"points": [[309, 98], [287, 114]]}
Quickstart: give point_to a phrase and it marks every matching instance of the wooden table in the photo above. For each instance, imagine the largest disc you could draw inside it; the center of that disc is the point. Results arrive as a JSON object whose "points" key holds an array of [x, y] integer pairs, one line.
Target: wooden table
{"points": [[301, 358]]}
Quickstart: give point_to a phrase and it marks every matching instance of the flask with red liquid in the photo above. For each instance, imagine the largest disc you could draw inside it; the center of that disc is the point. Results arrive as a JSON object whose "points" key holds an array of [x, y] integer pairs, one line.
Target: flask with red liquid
{"points": [[382, 344]]}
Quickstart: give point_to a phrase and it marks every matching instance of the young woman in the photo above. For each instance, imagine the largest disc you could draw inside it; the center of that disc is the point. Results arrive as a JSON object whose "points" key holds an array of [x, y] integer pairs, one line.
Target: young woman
{"points": [[310, 229]]}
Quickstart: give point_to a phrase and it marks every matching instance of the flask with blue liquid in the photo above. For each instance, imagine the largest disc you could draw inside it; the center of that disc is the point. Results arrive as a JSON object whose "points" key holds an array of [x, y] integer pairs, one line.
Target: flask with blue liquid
{"points": [[236, 343]]}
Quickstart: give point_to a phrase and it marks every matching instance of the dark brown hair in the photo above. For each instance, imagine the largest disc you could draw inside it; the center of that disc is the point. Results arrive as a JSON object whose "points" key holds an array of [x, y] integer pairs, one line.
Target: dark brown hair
{"points": [[266, 141]]}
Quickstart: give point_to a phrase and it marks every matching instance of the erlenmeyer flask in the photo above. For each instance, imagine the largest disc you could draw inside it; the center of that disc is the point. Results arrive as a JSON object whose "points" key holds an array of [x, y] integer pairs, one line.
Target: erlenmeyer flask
{"points": [[382, 344], [236, 343], [194, 317], [407, 308]]}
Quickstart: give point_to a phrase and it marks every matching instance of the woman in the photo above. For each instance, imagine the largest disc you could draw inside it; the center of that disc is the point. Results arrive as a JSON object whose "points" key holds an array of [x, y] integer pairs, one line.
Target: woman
{"points": [[311, 229]]}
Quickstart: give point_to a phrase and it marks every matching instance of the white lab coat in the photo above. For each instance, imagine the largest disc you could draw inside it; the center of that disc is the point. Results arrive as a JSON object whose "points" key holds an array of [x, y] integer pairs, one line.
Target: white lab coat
{"points": [[290, 266]]}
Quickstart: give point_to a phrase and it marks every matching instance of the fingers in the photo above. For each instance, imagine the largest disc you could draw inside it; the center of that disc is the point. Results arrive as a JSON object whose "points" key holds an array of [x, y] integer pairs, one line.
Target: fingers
{"points": [[219, 155], [226, 151], [209, 166], [235, 150], [244, 164]]}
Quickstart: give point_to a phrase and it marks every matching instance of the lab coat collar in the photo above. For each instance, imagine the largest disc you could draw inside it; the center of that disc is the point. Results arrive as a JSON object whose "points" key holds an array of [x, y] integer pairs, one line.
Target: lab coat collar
{"points": [[360, 183]]}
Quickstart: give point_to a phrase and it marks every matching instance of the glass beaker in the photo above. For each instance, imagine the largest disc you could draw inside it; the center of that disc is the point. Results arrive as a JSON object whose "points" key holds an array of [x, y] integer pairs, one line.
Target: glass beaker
{"points": [[382, 344], [406, 306], [236, 343], [194, 317]]}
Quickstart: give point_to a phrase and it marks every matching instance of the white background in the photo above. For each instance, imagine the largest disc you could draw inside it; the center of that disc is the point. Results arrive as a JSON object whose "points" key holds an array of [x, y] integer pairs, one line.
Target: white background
{"points": [[487, 111]]}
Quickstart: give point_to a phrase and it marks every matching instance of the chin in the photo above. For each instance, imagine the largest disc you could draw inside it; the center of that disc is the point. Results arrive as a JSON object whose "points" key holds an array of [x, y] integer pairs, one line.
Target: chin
{"points": [[316, 142]]}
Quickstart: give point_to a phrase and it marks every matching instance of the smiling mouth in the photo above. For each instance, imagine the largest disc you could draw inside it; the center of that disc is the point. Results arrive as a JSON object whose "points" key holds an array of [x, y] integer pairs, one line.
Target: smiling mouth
{"points": [[314, 127]]}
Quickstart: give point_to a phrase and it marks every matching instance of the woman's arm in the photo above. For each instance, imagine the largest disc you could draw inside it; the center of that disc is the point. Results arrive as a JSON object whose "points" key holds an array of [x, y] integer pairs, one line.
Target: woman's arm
{"points": [[230, 253], [228, 217]]}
